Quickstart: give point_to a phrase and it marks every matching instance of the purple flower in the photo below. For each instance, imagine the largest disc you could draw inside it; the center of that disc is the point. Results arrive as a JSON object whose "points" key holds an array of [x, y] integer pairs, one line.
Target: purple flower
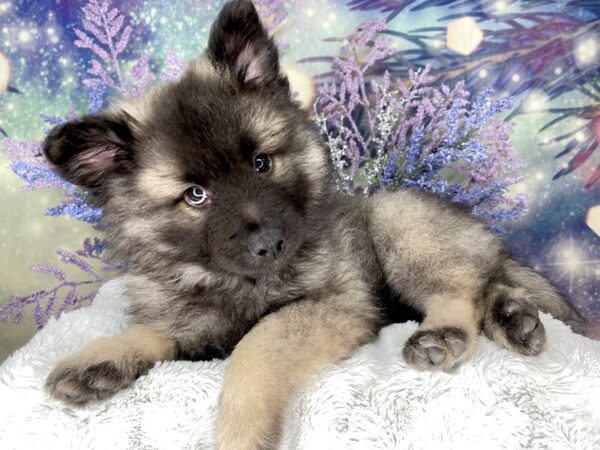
{"points": [[173, 67], [39, 175], [271, 12], [96, 97], [414, 150], [387, 133], [390, 172], [106, 36], [140, 76], [65, 295], [19, 150], [452, 124], [77, 208]]}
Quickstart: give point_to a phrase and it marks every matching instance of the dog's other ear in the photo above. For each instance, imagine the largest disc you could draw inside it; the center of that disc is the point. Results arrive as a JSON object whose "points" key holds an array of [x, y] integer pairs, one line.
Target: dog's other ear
{"points": [[90, 150], [239, 42]]}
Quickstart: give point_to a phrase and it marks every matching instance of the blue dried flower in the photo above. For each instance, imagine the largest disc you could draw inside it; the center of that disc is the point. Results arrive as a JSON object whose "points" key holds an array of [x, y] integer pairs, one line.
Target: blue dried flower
{"points": [[390, 172]]}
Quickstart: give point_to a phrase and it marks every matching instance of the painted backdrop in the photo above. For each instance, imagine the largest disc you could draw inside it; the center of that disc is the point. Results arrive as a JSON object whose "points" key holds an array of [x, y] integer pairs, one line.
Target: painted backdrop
{"points": [[60, 58]]}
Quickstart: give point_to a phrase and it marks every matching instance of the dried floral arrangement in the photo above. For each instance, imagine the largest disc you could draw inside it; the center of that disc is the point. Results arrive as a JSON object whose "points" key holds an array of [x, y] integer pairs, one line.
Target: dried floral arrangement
{"points": [[539, 45], [383, 132], [392, 133]]}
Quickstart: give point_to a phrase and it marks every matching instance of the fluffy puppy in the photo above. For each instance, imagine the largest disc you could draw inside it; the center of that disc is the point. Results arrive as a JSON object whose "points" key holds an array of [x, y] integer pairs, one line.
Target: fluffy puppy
{"points": [[217, 193]]}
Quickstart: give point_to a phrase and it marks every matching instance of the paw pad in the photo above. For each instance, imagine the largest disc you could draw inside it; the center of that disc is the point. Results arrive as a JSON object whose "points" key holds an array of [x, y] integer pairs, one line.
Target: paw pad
{"points": [[439, 348], [518, 322]]}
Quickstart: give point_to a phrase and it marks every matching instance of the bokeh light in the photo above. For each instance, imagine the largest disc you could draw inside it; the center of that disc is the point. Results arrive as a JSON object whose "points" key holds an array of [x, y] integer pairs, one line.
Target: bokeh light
{"points": [[572, 262], [464, 35], [536, 101], [592, 219], [4, 72], [586, 51]]}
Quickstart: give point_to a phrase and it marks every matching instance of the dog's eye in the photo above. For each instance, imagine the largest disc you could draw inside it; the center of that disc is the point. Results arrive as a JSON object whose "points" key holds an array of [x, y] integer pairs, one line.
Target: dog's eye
{"points": [[262, 163], [196, 196]]}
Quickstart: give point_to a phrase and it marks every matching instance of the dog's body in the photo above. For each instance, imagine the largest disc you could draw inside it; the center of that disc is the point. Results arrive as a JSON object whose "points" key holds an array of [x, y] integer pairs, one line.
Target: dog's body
{"points": [[217, 192]]}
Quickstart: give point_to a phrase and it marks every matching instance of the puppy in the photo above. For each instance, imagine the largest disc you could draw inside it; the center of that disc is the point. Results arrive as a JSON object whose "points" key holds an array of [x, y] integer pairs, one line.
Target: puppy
{"points": [[217, 193]]}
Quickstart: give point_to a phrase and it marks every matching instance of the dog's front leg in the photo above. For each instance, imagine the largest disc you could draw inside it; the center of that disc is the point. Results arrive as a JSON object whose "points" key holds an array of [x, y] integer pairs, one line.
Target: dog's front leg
{"points": [[109, 364], [277, 357]]}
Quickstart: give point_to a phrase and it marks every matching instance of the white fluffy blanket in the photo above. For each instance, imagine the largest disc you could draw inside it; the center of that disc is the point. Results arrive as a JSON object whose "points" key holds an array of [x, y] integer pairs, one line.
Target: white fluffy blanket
{"points": [[497, 400]]}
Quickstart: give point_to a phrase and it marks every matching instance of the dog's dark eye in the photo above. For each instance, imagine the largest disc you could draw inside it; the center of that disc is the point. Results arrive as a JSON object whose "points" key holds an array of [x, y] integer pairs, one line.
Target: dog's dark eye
{"points": [[262, 163], [196, 196]]}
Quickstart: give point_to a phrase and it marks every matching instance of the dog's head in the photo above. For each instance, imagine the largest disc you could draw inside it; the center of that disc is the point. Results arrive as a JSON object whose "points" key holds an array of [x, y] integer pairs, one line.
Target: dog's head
{"points": [[219, 171]]}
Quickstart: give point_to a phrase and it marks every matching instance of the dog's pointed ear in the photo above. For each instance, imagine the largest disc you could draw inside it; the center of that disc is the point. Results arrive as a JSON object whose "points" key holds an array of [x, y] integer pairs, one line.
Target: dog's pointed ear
{"points": [[91, 150], [239, 42]]}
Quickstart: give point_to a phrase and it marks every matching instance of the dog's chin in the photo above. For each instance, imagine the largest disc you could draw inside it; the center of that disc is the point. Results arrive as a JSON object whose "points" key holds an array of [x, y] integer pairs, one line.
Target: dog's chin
{"points": [[257, 267], [254, 270]]}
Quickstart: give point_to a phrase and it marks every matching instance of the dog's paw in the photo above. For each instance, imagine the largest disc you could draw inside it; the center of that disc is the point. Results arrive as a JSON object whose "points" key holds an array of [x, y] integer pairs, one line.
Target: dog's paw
{"points": [[78, 380], [438, 348], [515, 324]]}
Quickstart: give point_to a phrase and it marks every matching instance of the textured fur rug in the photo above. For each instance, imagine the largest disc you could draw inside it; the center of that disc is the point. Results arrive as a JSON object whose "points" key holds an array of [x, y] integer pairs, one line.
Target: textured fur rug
{"points": [[497, 400]]}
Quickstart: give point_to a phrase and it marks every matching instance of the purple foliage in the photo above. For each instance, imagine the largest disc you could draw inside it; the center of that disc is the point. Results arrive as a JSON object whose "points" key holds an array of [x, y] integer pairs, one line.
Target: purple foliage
{"points": [[28, 163], [104, 34], [409, 133], [531, 41], [16, 150], [173, 68], [107, 36], [96, 97], [38, 175], [77, 208], [140, 76], [93, 248], [52, 120], [47, 302], [271, 12]]}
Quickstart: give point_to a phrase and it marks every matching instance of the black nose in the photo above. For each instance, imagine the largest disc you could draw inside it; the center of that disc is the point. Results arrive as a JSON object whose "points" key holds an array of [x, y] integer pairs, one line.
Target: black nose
{"points": [[267, 244]]}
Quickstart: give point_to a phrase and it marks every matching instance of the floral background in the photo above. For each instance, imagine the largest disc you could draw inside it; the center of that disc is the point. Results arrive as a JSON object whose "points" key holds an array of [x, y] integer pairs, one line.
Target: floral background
{"points": [[520, 120]]}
